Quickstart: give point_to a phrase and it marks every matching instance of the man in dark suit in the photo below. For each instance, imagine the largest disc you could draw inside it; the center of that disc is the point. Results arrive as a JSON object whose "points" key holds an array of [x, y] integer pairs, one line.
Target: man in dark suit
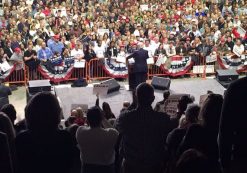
{"points": [[4, 94], [8, 50], [140, 67]]}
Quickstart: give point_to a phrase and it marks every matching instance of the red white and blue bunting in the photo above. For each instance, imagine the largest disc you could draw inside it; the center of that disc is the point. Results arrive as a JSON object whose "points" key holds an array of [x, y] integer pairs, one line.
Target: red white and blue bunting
{"points": [[228, 62]]}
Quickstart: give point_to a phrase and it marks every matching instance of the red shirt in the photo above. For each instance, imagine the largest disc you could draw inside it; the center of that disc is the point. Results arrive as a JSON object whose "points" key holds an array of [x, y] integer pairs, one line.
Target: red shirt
{"points": [[47, 12]]}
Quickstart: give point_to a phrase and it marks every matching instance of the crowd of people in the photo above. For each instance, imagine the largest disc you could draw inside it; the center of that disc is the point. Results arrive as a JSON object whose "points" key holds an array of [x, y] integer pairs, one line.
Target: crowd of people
{"points": [[36, 31], [206, 138]]}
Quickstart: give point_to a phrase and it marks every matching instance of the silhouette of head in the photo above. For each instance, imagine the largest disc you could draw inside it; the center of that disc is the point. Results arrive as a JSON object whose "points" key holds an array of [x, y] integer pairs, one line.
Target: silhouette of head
{"points": [[94, 117], [145, 94], [43, 112]]}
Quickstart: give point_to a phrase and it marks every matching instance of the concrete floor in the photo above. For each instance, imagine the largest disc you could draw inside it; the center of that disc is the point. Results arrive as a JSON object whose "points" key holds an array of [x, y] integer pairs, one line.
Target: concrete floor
{"points": [[18, 99], [195, 87]]}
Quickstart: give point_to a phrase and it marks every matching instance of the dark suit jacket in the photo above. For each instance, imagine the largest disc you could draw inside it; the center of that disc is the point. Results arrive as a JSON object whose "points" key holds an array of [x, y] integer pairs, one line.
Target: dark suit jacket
{"points": [[4, 92], [140, 57], [232, 131], [144, 134], [5, 158], [8, 52], [109, 52]]}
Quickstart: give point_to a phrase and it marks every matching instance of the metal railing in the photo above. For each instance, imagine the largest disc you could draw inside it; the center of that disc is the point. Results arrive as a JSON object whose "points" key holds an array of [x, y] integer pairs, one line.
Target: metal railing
{"points": [[94, 70]]}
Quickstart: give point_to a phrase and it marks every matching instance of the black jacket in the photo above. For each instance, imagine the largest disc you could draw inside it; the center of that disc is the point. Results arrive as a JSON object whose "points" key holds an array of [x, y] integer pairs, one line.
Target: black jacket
{"points": [[109, 52], [232, 131], [4, 93], [140, 57]]}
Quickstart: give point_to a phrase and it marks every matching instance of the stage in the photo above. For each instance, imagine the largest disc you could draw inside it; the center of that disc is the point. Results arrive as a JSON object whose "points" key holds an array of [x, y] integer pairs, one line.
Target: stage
{"points": [[84, 95]]}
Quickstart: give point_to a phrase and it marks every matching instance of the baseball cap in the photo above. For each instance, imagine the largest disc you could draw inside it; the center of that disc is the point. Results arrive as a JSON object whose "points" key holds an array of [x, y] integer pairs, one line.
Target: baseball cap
{"points": [[18, 50]]}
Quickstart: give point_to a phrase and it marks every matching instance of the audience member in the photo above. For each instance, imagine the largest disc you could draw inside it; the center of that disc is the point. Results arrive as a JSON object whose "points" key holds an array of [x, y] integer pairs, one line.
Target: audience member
{"points": [[79, 117], [43, 147], [143, 133], [182, 106], [176, 135], [7, 128], [107, 111], [204, 137], [4, 93], [10, 111], [96, 144], [193, 161], [232, 130], [6, 164], [126, 104], [133, 104], [161, 106]]}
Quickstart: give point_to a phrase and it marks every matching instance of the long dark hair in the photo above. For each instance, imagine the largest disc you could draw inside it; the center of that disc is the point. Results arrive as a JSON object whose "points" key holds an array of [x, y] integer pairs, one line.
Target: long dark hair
{"points": [[211, 111]]}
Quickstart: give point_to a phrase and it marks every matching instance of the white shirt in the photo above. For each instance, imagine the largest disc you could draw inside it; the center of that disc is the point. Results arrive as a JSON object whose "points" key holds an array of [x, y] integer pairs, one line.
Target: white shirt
{"points": [[29, 2], [171, 51], [136, 33], [155, 45], [97, 145], [217, 35], [150, 50], [77, 53], [236, 23], [238, 50], [165, 46], [99, 51]]}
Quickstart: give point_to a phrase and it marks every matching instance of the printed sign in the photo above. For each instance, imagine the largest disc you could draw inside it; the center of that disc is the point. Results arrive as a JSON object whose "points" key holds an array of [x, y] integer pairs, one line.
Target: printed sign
{"points": [[144, 7], [100, 89], [172, 102], [5, 66], [79, 63], [161, 60], [241, 31], [121, 59], [101, 31], [150, 61]]}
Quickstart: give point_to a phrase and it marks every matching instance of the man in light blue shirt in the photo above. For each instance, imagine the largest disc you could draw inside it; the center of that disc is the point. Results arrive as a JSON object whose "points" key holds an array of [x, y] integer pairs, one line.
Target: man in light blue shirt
{"points": [[56, 46], [44, 53]]}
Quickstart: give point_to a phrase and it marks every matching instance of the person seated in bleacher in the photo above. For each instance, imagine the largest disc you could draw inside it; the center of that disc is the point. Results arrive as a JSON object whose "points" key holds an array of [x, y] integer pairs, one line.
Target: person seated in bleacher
{"points": [[176, 135], [203, 136], [97, 145], [10, 111], [161, 105]]}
